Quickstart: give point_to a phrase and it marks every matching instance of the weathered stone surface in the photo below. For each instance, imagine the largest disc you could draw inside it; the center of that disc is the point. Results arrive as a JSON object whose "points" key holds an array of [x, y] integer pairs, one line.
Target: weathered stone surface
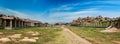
{"points": [[111, 30], [32, 33], [35, 33], [5, 40], [26, 39], [36, 38], [1, 33], [15, 36]]}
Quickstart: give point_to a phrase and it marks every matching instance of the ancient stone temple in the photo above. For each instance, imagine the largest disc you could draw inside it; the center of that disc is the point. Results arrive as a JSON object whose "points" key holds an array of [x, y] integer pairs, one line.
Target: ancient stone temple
{"points": [[10, 22]]}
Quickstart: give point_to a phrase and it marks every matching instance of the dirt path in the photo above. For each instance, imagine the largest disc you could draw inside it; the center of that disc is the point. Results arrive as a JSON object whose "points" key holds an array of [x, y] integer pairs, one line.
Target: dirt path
{"points": [[72, 38]]}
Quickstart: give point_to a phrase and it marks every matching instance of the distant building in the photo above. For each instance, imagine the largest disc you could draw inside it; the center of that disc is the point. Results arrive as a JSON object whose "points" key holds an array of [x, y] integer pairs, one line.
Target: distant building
{"points": [[10, 22]]}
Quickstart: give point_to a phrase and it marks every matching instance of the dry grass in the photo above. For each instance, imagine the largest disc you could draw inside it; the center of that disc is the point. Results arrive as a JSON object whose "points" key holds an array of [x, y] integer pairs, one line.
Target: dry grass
{"points": [[96, 37], [44, 34]]}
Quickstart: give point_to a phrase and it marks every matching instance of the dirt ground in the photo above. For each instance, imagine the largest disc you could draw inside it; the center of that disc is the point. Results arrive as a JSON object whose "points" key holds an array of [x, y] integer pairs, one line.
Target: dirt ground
{"points": [[72, 38]]}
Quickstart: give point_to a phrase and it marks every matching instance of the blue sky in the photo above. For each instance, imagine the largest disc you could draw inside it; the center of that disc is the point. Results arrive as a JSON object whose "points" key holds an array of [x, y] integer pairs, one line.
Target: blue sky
{"points": [[59, 10]]}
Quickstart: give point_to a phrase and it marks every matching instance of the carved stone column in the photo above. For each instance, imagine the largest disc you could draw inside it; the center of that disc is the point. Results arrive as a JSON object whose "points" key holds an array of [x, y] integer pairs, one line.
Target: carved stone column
{"points": [[10, 24]]}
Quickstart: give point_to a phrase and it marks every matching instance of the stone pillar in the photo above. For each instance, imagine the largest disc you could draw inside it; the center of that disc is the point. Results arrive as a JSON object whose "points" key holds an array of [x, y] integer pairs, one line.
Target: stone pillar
{"points": [[4, 23], [15, 24], [22, 24], [25, 24], [19, 24], [10, 24]]}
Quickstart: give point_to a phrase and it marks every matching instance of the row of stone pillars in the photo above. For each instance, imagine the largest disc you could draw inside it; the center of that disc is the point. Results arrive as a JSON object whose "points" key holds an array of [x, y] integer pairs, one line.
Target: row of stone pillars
{"points": [[10, 24]]}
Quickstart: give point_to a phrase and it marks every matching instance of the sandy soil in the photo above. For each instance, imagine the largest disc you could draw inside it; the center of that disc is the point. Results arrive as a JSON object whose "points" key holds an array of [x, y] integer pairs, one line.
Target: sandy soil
{"points": [[72, 38]]}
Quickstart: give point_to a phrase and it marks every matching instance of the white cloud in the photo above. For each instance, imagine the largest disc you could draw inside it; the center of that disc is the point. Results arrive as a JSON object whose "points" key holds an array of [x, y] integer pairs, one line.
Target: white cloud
{"points": [[73, 5], [69, 16], [64, 7], [57, 16], [63, 16], [7, 11], [32, 15], [69, 6], [110, 2]]}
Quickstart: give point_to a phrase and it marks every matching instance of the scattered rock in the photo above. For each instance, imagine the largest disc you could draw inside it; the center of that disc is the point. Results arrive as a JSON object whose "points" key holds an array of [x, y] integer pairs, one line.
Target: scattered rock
{"points": [[5, 40], [36, 38], [111, 30], [26, 39], [117, 42], [35, 33], [30, 32], [1, 33], [14, 40], [15, 36]]}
